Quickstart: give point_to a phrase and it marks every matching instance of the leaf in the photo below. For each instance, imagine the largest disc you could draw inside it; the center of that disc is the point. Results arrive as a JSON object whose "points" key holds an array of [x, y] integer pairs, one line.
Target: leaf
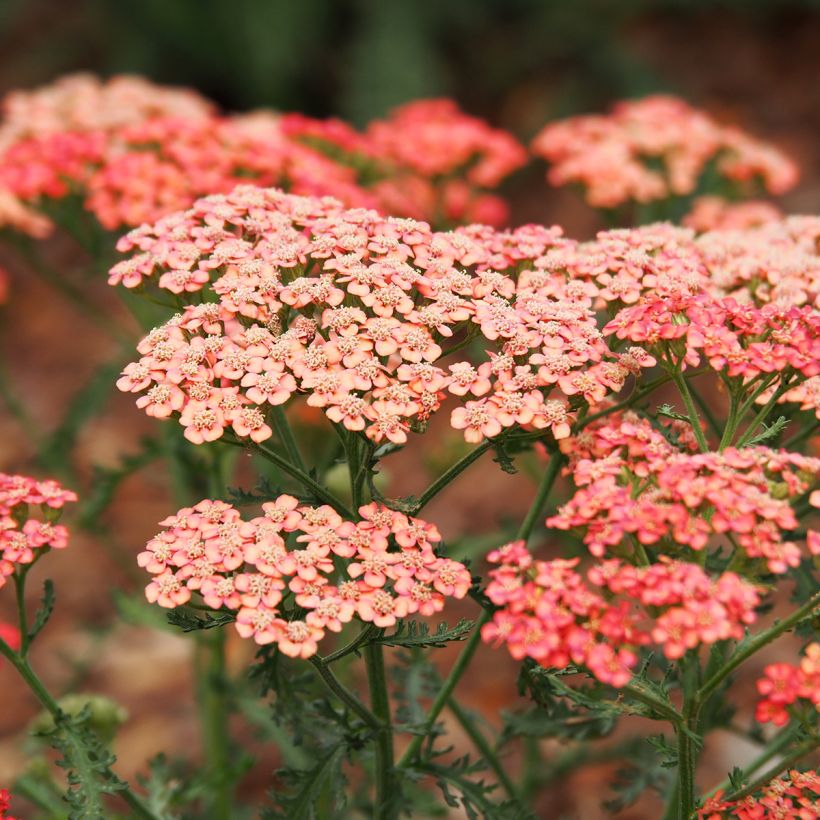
{"points": [[503, 458], [43, 614], [417, 634], [306, 788], [737, 779], [770, 431], [187, 621], [669, 412], [88, 766], [263, 491]]}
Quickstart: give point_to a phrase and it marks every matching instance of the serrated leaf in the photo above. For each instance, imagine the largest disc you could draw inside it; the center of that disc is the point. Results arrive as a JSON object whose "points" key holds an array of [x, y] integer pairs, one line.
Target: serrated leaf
{"points": [[43, 614], [503, 458], [669, 412], [410, 634], [769, 431], [188, 621]]}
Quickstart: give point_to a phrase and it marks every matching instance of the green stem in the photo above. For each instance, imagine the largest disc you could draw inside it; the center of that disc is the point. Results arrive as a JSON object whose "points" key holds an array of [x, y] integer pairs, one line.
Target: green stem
{"points": [[692, 411], [451, 474], [307, 481], [755, 645], [344, 694], [352, 646], [22, 617], [480, 742], [384, 808], [285, 433], [544, 488], [37, 688], [707, 412], [785, 763], [212, 686], [763, 414]]}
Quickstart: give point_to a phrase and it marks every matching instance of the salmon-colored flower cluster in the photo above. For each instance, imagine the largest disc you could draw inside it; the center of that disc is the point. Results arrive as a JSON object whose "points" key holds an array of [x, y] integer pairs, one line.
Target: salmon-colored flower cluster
{"points": [[794, 796], [783, 684], [296, 571], [633, 484], [356, 310], [655, 148], [26, 532], [135, 152], [551, 612]]}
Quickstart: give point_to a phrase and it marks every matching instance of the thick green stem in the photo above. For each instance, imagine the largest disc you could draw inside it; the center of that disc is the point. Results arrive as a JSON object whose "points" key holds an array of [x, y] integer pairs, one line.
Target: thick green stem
{"points": [[37, 688], [544, 488], [384, 808], [212, 692], [451, 474], [480, 742]]}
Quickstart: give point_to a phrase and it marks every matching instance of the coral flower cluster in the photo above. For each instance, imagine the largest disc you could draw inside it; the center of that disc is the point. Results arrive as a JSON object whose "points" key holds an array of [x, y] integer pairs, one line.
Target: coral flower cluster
{"points": [[296, 572], [634, 487], [28, 512], [553, 613], [356, 310], [711, 213], [134, 152], [784, 684], [654, 148], [794, 796], [5, 802]]}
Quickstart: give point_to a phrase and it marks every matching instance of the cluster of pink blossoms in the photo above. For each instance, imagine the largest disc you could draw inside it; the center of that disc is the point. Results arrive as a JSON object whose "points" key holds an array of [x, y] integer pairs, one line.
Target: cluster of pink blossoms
{"points": [[136, 152], [23, 536], [711, 213], [616, 156], [783, 684], [794, 796], [552, 613], [296, 571], [5, 802], [355, 310], [633, 484]]}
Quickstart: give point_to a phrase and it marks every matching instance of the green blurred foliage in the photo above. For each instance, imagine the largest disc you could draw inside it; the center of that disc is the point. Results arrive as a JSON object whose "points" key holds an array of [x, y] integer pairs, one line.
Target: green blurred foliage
{"points": [[357, 58]]}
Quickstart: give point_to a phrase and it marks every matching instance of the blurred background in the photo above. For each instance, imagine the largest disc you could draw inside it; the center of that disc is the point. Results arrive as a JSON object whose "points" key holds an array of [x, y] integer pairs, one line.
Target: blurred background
{"points": [[517, 63]]}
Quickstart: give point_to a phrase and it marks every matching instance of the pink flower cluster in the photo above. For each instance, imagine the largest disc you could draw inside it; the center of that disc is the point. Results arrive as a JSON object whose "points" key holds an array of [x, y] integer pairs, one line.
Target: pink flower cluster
{"points": [[711, 213], [355, 310], [136, 152], [654, 148], [297, 571], [551, 612], [635, 487], [23, 536], [5, 801], [783, 684], [794, 796]]}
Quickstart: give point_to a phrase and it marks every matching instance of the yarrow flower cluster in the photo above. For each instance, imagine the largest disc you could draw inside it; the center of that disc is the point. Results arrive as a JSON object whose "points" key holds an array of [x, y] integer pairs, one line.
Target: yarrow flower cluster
{"points": [[356, 310], [711, 213], [654, 148], [296, 572], [784, 684], [136, 152], [553, 613], [25, 531], [634, 487], [5, 804], [794, 796]]}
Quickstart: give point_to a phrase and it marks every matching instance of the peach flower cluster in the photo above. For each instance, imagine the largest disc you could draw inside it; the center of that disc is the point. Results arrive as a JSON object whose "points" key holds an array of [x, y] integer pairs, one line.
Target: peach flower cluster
{"points": [[28, 512], [356, 310], [296, 572], [711, 213], [794, 796], [654, 148], [783, 684], [556, 615], [634, 487]]}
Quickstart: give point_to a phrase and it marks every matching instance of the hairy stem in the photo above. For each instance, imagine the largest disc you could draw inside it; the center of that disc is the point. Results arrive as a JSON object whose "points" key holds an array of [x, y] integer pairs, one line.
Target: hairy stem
{"points": [[380, 704]]}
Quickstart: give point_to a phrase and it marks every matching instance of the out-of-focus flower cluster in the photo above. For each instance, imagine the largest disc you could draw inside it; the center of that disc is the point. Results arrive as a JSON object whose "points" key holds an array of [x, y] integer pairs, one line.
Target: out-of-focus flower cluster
{"points": [[553, 613], [784, 684], [655, 148], [354, 309], [635, 487], [134, 151], [795, 796], [711, 213], [295, 572], [5, 802], [28, 511]]}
